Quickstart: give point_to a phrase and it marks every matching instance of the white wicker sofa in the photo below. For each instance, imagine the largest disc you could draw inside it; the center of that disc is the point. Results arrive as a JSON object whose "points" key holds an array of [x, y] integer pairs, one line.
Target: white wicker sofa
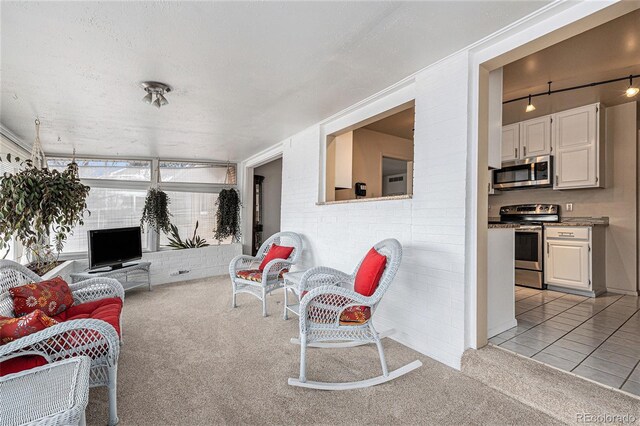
{"points": [[94, 338]]}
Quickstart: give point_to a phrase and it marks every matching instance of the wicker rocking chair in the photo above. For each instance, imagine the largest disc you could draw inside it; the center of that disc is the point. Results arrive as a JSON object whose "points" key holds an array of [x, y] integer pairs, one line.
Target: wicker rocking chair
{"points": [[247, 278], [93, 338], [322, 321]]}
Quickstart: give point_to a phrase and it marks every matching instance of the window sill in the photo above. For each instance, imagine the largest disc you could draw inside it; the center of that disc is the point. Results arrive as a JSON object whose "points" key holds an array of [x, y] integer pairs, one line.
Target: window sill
{"points": [[366, 200]]}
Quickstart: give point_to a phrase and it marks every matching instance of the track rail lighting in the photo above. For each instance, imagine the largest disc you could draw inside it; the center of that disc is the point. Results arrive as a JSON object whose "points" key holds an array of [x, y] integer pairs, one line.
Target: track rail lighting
{"points": [[530, 106], [630, 92]]}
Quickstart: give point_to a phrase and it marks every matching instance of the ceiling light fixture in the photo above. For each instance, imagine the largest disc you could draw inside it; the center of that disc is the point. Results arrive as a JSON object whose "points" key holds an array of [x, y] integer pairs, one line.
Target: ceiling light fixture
{"points": [[154, 88], [163, 100], [530, 106], [631, 91]]}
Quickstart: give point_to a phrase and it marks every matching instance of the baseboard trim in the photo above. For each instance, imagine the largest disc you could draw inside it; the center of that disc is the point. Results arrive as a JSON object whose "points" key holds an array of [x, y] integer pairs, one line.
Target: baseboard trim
{"points": [[625, 292]]}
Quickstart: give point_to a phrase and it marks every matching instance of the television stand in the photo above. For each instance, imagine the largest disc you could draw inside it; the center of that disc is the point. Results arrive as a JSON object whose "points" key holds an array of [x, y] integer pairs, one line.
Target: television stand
{"points": [[130, 276], [110, 268]]}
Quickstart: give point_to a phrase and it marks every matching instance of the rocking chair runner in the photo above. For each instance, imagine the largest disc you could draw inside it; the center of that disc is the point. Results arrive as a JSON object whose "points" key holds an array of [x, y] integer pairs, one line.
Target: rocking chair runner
{"points": [[333, 316], [246, 278]]}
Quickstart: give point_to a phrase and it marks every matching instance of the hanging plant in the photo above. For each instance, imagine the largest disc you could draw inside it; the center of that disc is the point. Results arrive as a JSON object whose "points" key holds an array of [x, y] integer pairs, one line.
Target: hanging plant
{"points": [[156, 211], [228, 215], [177, 243], [38, 203]]}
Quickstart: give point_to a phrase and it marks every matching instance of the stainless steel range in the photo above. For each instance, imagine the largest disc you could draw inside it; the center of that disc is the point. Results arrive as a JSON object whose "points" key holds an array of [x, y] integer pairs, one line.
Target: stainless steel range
{"points": [[529, 239]]}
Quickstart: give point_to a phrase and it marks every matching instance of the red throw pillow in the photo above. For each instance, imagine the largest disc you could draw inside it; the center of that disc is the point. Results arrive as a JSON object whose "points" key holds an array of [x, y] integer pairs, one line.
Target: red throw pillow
{"points": [[51, 297], [276, 252], [14, 328], [370, 272]]}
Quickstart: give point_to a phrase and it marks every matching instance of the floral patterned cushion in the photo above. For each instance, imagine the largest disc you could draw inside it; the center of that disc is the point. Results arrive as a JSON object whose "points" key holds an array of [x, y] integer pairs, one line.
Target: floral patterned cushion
{"points": [[51, 297], [14, 328], [353, 315], [255, 274]]}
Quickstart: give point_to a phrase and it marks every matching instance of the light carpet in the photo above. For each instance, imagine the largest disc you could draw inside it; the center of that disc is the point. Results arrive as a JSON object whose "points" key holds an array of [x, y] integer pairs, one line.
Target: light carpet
{"points": [[562, 395], [190, 359]]}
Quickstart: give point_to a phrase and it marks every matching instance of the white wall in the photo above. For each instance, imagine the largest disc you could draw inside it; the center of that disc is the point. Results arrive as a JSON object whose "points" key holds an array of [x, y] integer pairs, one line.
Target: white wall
{"points": [[425, 304], [436, 300], [272, 194], [202, 262]]}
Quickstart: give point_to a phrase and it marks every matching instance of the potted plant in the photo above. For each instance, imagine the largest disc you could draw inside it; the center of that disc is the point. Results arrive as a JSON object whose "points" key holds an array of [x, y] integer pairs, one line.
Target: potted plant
{"points": [[177, 243], [38, 203], [156, 211], [228, 215]]}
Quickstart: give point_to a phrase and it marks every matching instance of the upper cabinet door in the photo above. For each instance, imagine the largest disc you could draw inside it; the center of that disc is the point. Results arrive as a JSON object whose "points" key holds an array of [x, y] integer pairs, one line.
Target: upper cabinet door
{"points": [[510, 142], [535, 136], [575, 145]]}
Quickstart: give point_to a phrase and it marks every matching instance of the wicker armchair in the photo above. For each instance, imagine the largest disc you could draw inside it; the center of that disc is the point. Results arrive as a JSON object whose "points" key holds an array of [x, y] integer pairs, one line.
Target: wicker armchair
{"points": [[268, 280], [321, 316], [94, 338]]}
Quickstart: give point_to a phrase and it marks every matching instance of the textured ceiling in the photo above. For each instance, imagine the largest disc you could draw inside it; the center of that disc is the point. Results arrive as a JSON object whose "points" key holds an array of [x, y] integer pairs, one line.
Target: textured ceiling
{"points": [[609, 51], [400, 124], [246, 75]]}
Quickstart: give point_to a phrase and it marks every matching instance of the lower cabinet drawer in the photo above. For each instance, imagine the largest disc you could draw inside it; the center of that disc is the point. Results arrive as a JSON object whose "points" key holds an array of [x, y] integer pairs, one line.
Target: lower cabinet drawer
{"points": [[568, 232]]}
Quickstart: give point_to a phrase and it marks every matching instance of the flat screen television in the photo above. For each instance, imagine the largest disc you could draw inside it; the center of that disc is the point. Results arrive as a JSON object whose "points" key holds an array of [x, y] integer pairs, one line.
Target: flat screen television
{"points": [[113, 247]]}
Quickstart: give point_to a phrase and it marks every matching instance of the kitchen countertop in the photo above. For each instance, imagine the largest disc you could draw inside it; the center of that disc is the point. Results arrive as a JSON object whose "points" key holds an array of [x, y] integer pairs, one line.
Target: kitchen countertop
{"points": [[494, 223], [581, 221]]}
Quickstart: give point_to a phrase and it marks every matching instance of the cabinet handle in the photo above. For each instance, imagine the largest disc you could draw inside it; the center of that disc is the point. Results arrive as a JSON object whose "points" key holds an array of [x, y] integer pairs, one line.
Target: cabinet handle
{"points": [[516, 152], [524, 151]]}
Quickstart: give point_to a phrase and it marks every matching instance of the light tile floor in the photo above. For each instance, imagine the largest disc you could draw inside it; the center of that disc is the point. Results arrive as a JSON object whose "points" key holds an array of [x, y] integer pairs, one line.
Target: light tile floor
{"points": [[597, 338]]}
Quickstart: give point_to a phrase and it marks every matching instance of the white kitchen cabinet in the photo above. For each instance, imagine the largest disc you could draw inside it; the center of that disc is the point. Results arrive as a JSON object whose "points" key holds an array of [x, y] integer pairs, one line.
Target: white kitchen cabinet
{"points": [[510, 142], [578, 148], [568, 264], [535, 137], [574, 258]]}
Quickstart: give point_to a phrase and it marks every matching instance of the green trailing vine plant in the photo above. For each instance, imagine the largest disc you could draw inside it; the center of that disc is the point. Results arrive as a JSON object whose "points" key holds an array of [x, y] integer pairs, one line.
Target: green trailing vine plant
{"points": [[156, 211], [36, 203], [177, 243], [228, 215]]}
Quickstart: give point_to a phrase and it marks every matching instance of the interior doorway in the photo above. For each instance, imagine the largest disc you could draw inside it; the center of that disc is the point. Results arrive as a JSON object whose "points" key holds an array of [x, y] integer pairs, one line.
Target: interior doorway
{"points": [[397, 176], [267, 196], [587, 326]]}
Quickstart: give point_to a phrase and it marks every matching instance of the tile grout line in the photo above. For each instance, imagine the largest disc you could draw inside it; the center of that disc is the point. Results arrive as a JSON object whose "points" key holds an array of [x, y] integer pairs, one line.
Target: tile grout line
{"points": [[579, 303], [561, 312], [560, 297], [614, 332], [630, 373]]}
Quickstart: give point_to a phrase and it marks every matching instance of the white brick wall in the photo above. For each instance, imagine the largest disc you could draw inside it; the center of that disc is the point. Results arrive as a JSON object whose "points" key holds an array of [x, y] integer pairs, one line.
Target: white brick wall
{"points": [[425, 304], [201, 263]]}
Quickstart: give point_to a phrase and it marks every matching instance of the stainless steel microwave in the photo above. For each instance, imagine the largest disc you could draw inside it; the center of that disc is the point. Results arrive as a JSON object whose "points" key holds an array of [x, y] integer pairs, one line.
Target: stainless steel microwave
{"points": [[533, 172]]}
